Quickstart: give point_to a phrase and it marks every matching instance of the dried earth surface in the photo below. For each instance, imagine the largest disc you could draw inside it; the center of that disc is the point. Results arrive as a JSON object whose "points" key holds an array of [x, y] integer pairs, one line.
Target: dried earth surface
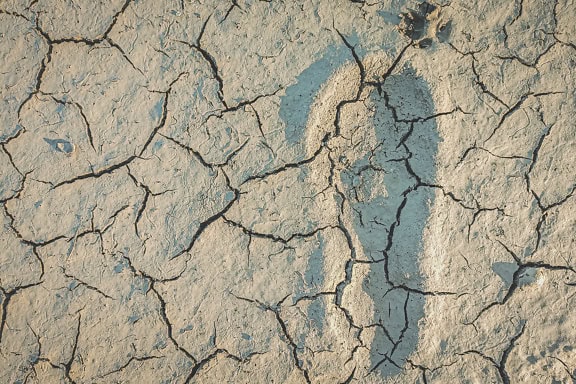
{"points": [[320, 191]]}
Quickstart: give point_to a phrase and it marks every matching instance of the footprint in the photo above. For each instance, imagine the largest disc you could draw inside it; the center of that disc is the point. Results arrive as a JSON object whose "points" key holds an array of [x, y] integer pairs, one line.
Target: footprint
{"points": [[424, 24], [383, 213]]}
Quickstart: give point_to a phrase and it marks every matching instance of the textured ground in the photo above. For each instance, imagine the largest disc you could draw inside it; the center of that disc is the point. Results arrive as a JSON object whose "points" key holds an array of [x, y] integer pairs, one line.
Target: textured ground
{"points": [[287, 191]]}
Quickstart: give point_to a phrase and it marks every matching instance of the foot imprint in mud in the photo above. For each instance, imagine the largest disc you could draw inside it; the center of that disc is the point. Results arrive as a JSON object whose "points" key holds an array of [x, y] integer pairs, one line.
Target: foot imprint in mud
{"points": [[378, 162], [424, 24], [357, 200]]}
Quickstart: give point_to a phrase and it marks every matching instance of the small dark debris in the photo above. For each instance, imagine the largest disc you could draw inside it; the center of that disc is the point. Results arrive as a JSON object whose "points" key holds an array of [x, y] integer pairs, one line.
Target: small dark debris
{"points": [[443, 31]]}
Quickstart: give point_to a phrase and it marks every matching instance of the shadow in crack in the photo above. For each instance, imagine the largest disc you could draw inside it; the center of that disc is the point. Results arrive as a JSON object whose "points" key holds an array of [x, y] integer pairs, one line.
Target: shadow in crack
{"points": [[389, 212]]}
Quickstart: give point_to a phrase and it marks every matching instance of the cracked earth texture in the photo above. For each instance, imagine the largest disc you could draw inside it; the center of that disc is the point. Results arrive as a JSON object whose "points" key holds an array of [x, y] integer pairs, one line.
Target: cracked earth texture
{"points": [[287, 191]]}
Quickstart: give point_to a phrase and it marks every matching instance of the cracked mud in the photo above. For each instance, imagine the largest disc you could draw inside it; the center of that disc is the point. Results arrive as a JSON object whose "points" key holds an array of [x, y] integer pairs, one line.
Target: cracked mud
{"points": [[287, 192]]}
